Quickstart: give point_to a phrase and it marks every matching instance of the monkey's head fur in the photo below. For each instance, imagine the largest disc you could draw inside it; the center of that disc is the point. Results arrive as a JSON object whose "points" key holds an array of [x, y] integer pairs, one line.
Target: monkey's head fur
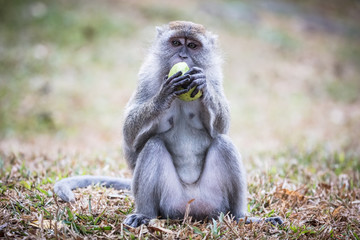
{"points": [[162, 54]]}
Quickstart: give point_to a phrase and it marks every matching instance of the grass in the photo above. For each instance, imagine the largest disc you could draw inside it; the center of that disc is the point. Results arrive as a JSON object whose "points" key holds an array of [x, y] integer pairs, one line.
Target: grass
{"points": [[291, 76], [316, 202]]}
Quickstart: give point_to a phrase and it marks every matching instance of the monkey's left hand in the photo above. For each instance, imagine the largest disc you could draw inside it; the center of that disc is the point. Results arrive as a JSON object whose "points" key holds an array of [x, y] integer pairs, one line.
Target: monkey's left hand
{"points": [[197, 79]]}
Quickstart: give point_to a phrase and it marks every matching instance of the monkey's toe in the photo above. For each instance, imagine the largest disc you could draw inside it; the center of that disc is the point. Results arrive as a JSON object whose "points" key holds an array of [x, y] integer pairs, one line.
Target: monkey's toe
{"points": [[274, 220], [137, 219]]}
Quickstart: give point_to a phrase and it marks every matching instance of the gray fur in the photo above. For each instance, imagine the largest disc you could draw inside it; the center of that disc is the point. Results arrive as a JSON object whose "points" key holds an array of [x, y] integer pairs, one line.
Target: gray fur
{"points": [[179, 150], [63, 187], [159, 190]]}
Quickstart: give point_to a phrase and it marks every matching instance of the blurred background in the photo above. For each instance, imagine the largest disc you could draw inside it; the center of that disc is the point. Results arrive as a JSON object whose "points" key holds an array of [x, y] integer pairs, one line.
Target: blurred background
{"points": [[291, 70]]}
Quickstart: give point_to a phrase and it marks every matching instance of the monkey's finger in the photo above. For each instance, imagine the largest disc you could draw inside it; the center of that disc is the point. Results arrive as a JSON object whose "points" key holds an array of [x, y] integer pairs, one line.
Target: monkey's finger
{"points": [[177, 79], [173, 76], [197, 89], [169, 87], [194, 70], [201, 85], [191, 85], [182, 83], [181, 91], [197, 76], [197, 82]]}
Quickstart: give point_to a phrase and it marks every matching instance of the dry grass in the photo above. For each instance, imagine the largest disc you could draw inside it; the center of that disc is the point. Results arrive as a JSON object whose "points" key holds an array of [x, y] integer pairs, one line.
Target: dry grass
{"points": [[314, 201]]}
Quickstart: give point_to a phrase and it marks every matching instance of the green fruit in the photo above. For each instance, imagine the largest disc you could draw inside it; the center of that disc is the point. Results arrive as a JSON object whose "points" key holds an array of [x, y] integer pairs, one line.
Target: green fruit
{"points": [[187, 96], [183, 67]]}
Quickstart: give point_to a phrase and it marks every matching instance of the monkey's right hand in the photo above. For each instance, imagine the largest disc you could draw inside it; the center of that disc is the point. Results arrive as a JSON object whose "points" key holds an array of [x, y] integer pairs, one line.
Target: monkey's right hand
{"points": [[170, 89]]}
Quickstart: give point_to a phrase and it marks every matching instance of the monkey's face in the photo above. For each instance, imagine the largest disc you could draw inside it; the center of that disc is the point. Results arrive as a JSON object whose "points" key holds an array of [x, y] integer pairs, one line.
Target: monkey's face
{"points": [[183, 49], [185, 42], [193, 49]]}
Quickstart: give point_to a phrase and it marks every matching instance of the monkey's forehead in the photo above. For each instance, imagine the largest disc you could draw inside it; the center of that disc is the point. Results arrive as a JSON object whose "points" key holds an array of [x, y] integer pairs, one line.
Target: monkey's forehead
{"points": [[188, 27]]}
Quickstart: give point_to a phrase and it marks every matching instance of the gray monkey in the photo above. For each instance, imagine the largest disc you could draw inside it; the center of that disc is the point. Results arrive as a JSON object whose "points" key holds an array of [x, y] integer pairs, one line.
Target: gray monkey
{"points": [[178, 150]]}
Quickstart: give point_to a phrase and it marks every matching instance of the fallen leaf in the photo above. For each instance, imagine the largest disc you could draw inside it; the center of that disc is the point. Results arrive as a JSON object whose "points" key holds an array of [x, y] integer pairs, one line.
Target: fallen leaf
{"points": [[160, 229], [337, 211], [46, 224], [325, 186], [287, 194], [187, 210], [27, 218], [157, 222]]}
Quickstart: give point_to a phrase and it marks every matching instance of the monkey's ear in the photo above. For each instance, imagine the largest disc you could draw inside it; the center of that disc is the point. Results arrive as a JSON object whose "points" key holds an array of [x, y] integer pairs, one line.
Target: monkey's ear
{"points": [[213, 39], [160, 31]]}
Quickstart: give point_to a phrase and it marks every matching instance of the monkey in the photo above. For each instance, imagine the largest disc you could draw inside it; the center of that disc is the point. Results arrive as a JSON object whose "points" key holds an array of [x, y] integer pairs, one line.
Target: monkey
{"points": [[178, 150]]}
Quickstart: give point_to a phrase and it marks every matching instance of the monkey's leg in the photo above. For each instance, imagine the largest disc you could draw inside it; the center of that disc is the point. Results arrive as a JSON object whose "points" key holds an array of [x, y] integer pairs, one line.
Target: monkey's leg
{"points": [[224, 170], [155, 183]]}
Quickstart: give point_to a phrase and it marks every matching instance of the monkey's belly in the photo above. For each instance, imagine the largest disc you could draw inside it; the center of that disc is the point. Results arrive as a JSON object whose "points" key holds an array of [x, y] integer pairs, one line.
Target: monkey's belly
{"points": [[188, 148], [199, 210], [203, 206]]}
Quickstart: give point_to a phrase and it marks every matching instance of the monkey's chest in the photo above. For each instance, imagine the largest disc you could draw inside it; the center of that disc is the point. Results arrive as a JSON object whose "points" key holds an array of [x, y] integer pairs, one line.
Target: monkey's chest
{"points": [[184, 117], [186, 139], [183, 131]]}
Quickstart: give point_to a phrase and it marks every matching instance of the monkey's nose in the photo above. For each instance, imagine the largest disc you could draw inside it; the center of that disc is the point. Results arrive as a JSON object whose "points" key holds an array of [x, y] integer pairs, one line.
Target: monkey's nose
{"points": [[183, 55]]}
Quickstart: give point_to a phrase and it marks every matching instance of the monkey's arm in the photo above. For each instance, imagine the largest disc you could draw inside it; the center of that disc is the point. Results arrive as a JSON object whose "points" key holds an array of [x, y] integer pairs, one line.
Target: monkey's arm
{"points": [[216, 115], [140, 123], [144, 110]]}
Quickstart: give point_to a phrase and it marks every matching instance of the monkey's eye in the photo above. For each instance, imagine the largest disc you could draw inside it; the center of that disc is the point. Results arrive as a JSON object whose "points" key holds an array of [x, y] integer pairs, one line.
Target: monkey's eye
{"points": [[175, 43], [192, 45]]}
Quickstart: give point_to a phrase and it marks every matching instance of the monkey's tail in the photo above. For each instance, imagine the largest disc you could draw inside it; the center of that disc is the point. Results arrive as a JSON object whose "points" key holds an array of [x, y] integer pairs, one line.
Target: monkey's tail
{"points": [[64, 187]]}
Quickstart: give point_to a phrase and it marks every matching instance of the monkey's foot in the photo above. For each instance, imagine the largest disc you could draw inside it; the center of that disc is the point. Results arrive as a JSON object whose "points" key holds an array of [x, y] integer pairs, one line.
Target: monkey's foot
{"points": [[137, 219], [274, 220]]}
